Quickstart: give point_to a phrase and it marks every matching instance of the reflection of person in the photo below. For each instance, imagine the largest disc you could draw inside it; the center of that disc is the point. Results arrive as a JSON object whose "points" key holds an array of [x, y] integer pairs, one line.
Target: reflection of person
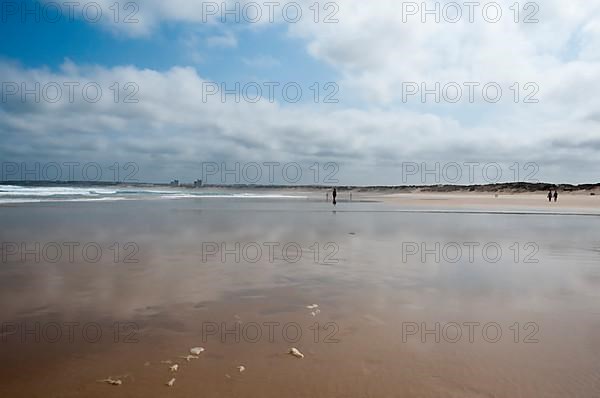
{"points": [[550, 196], [327, 196], [334, 196], [555, 196]]}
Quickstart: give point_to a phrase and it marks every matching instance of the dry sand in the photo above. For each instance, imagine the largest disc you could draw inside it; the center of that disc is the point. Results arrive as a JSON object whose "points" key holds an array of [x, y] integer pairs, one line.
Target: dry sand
{"points": [[567, 202]]}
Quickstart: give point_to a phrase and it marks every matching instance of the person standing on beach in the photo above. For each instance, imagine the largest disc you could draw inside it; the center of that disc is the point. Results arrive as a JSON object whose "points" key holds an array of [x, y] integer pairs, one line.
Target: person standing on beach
{"points": [[334, 196], [555, 196], [550, 196]]}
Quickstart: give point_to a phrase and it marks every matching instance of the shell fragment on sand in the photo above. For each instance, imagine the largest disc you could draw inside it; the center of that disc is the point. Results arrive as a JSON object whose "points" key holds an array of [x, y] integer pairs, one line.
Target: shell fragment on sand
{"points": [[111, 381], [196, 350], [241, 368], [171, 382], [174, 368], [295, 352], [312, 307], [190, 357]]}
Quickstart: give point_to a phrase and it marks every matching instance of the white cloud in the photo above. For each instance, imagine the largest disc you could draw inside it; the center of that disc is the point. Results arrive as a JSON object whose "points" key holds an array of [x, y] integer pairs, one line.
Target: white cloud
{"points": [[171, 130], [373, 51]]}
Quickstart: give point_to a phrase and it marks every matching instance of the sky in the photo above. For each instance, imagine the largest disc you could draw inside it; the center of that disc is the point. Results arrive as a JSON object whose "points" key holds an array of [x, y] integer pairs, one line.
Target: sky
{"points": [[335, 93]]}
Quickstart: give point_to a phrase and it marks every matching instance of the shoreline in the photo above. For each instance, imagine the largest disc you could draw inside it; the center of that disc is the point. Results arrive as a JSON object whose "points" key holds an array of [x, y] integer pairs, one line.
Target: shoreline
{"points": [[579, 201], [592, 189]]}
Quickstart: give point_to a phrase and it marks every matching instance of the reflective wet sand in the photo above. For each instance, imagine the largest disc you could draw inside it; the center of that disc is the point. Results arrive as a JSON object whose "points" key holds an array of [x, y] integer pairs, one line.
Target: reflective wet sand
{"points": [[403, 311]]}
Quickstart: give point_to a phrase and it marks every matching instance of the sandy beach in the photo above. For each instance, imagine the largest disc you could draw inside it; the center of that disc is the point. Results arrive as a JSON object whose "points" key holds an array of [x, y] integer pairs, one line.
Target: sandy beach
{"points": [[408, 302], [568, 202], [337, 199]]}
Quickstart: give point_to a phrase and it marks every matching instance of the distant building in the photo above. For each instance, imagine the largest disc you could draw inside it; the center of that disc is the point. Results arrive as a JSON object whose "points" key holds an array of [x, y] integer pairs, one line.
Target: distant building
{"points": [[175, 183], [197, 183]]}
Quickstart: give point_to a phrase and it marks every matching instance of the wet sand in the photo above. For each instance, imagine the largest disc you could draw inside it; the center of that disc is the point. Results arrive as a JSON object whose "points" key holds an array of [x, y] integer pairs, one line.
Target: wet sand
{"points": [[369, 289]]}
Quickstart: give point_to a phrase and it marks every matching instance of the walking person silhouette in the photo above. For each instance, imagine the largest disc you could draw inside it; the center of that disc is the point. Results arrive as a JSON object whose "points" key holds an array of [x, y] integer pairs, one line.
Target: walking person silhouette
{"points": [[555, 196], [334, 196], [550, 196]]}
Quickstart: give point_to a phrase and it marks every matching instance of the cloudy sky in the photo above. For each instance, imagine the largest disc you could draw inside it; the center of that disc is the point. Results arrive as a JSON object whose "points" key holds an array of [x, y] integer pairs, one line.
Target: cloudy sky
{"points": [[385, 90]]}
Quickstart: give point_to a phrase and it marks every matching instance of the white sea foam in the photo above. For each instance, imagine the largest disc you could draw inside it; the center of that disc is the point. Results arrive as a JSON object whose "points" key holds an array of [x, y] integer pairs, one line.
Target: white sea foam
{"points": [[11, 194], [231, 196], [11, 190]]}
